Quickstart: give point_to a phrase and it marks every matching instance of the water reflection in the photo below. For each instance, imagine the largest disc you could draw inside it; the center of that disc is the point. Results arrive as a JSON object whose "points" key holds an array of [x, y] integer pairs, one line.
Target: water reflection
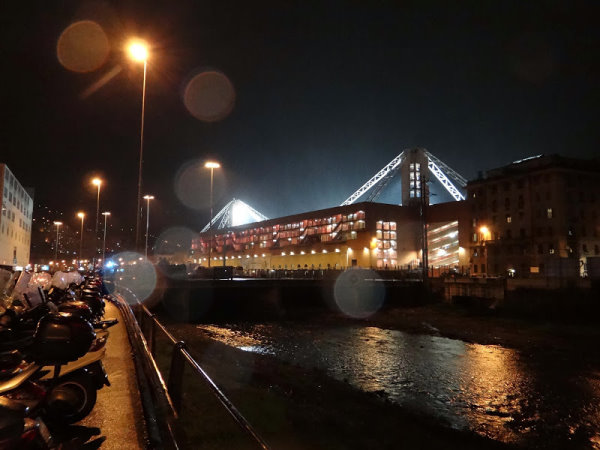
{"points": [[497, 392]]}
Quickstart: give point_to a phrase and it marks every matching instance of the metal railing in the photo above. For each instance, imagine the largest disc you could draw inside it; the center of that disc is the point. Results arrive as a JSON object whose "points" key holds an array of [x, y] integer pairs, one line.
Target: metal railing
{"points": [[168, 397]]}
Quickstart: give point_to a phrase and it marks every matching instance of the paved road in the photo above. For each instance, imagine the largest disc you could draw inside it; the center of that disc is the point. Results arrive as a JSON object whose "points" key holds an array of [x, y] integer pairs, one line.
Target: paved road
{"points": [[118, 411]]}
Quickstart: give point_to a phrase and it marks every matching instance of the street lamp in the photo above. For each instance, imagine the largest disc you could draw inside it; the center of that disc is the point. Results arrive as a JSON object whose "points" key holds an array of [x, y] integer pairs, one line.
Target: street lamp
{"points": [[58, 224], [139, 52], [147, 198], [97, 182], [81, 215], [212, 165], [105, 214]]}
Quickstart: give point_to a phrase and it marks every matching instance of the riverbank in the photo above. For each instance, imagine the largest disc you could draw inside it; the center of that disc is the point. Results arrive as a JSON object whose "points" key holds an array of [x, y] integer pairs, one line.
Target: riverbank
{"points": [[297, 408], [485, 327]]}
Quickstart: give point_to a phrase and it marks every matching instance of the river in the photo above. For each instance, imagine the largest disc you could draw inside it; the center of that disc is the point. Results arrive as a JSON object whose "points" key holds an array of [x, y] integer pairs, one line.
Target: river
{"points": [[546, 396]]}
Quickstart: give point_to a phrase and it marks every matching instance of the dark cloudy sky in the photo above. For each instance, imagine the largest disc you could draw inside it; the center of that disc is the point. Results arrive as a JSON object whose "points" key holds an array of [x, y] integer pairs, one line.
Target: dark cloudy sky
{"points": [[327, 93]]}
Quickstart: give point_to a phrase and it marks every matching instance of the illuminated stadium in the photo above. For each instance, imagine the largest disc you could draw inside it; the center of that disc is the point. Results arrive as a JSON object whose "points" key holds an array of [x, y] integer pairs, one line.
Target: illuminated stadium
{"points": [[365, 234]]}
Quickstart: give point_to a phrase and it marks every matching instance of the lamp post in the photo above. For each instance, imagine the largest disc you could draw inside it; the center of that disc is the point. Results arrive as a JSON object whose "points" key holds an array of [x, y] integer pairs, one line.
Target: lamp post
{"points": [[105, 214], [139, 52], [212, 165], [58, 224], [97, 182], [147, 198], [81, 215]]}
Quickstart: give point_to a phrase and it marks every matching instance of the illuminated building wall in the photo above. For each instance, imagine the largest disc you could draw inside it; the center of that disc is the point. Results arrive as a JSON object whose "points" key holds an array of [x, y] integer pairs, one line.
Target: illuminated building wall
{"points": [[15, 221], [359, 235], [443, 244]]}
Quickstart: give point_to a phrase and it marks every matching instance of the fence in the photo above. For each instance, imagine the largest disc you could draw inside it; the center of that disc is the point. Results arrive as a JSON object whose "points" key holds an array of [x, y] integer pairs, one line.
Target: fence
{"points": [[162, 401]]}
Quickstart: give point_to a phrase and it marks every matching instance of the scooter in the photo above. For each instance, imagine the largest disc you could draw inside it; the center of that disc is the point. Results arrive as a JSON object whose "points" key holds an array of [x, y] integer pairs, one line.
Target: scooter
{"points": [[19, 431], [62, 370]]}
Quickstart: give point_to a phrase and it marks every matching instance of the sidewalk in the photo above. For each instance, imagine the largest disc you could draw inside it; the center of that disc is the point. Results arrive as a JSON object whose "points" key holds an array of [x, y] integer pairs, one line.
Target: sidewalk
{"points": [[118, 411]]}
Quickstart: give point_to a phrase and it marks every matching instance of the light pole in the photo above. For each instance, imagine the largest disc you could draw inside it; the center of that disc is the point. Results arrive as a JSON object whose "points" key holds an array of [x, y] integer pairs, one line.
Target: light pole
{"points": [[147, 198], [81, 215], [212, 165], [105, 214], [58, 224], [97, 182], [139, 52]]}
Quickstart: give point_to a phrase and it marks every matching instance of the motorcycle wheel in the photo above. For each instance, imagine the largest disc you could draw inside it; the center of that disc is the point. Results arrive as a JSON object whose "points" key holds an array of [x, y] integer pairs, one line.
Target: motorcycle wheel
{"points": [[72, 399]]}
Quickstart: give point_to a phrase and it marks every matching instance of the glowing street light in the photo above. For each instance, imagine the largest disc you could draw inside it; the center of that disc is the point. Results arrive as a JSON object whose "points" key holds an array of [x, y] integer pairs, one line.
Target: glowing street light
{"points": [[147, 198], [97, 182], [58, 224], [105, 214], [81, 215], [212, 165], [138, 51]]}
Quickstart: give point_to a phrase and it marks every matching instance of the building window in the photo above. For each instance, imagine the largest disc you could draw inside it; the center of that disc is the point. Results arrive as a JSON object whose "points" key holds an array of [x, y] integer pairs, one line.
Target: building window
{"points": [[551, 249], [474, 237], [540, 249], [549, 213], [596, 250], [508, 234], [508, 218], [522, 232], [483, 268], [584, 248], [507, 203], [474, 268]]}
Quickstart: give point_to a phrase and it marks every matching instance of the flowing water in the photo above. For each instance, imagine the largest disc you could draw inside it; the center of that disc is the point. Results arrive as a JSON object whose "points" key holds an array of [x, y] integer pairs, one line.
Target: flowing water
{"points": [[547, 397]]}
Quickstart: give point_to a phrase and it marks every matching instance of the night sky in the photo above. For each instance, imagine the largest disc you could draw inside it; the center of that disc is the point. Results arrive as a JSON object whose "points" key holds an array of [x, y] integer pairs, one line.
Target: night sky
{"points": [[326, 94]]}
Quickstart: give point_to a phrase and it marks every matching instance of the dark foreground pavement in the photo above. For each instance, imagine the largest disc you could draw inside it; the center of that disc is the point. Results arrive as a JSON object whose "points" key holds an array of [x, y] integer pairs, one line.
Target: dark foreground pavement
{"points": [[118, 411]]}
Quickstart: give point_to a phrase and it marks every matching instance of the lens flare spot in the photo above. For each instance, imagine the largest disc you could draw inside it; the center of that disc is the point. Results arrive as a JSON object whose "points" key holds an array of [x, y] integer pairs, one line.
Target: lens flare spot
{"points": [[132, 276], [358, 294], [209, 96], [82, 46], [192, 185], [175, 242]]}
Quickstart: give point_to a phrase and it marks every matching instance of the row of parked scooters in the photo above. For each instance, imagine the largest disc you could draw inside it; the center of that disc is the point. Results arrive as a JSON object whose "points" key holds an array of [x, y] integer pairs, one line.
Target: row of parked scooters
{"points": [[52, 342]]}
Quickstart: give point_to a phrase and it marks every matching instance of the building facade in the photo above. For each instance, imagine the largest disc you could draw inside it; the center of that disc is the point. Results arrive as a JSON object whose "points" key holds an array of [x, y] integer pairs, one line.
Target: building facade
{"points": [[15, 221], [535, 217], [363, 235]]}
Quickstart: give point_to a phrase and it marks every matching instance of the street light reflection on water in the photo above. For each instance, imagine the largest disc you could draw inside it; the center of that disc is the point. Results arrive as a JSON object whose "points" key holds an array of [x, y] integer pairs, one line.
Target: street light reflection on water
{"points": [[494, 391]]}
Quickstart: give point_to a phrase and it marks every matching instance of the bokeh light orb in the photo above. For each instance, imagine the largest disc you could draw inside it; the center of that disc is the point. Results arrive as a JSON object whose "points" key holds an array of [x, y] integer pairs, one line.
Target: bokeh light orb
{"points": [[358, 294], [209, 96], [82, 46], [192, 185], [174, 240], [132, 276]]}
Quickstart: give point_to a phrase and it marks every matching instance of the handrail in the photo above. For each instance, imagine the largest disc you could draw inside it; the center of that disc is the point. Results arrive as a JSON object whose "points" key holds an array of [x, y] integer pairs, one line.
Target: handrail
{"points": [[229, 406], [158, 408], [172, 389]]}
